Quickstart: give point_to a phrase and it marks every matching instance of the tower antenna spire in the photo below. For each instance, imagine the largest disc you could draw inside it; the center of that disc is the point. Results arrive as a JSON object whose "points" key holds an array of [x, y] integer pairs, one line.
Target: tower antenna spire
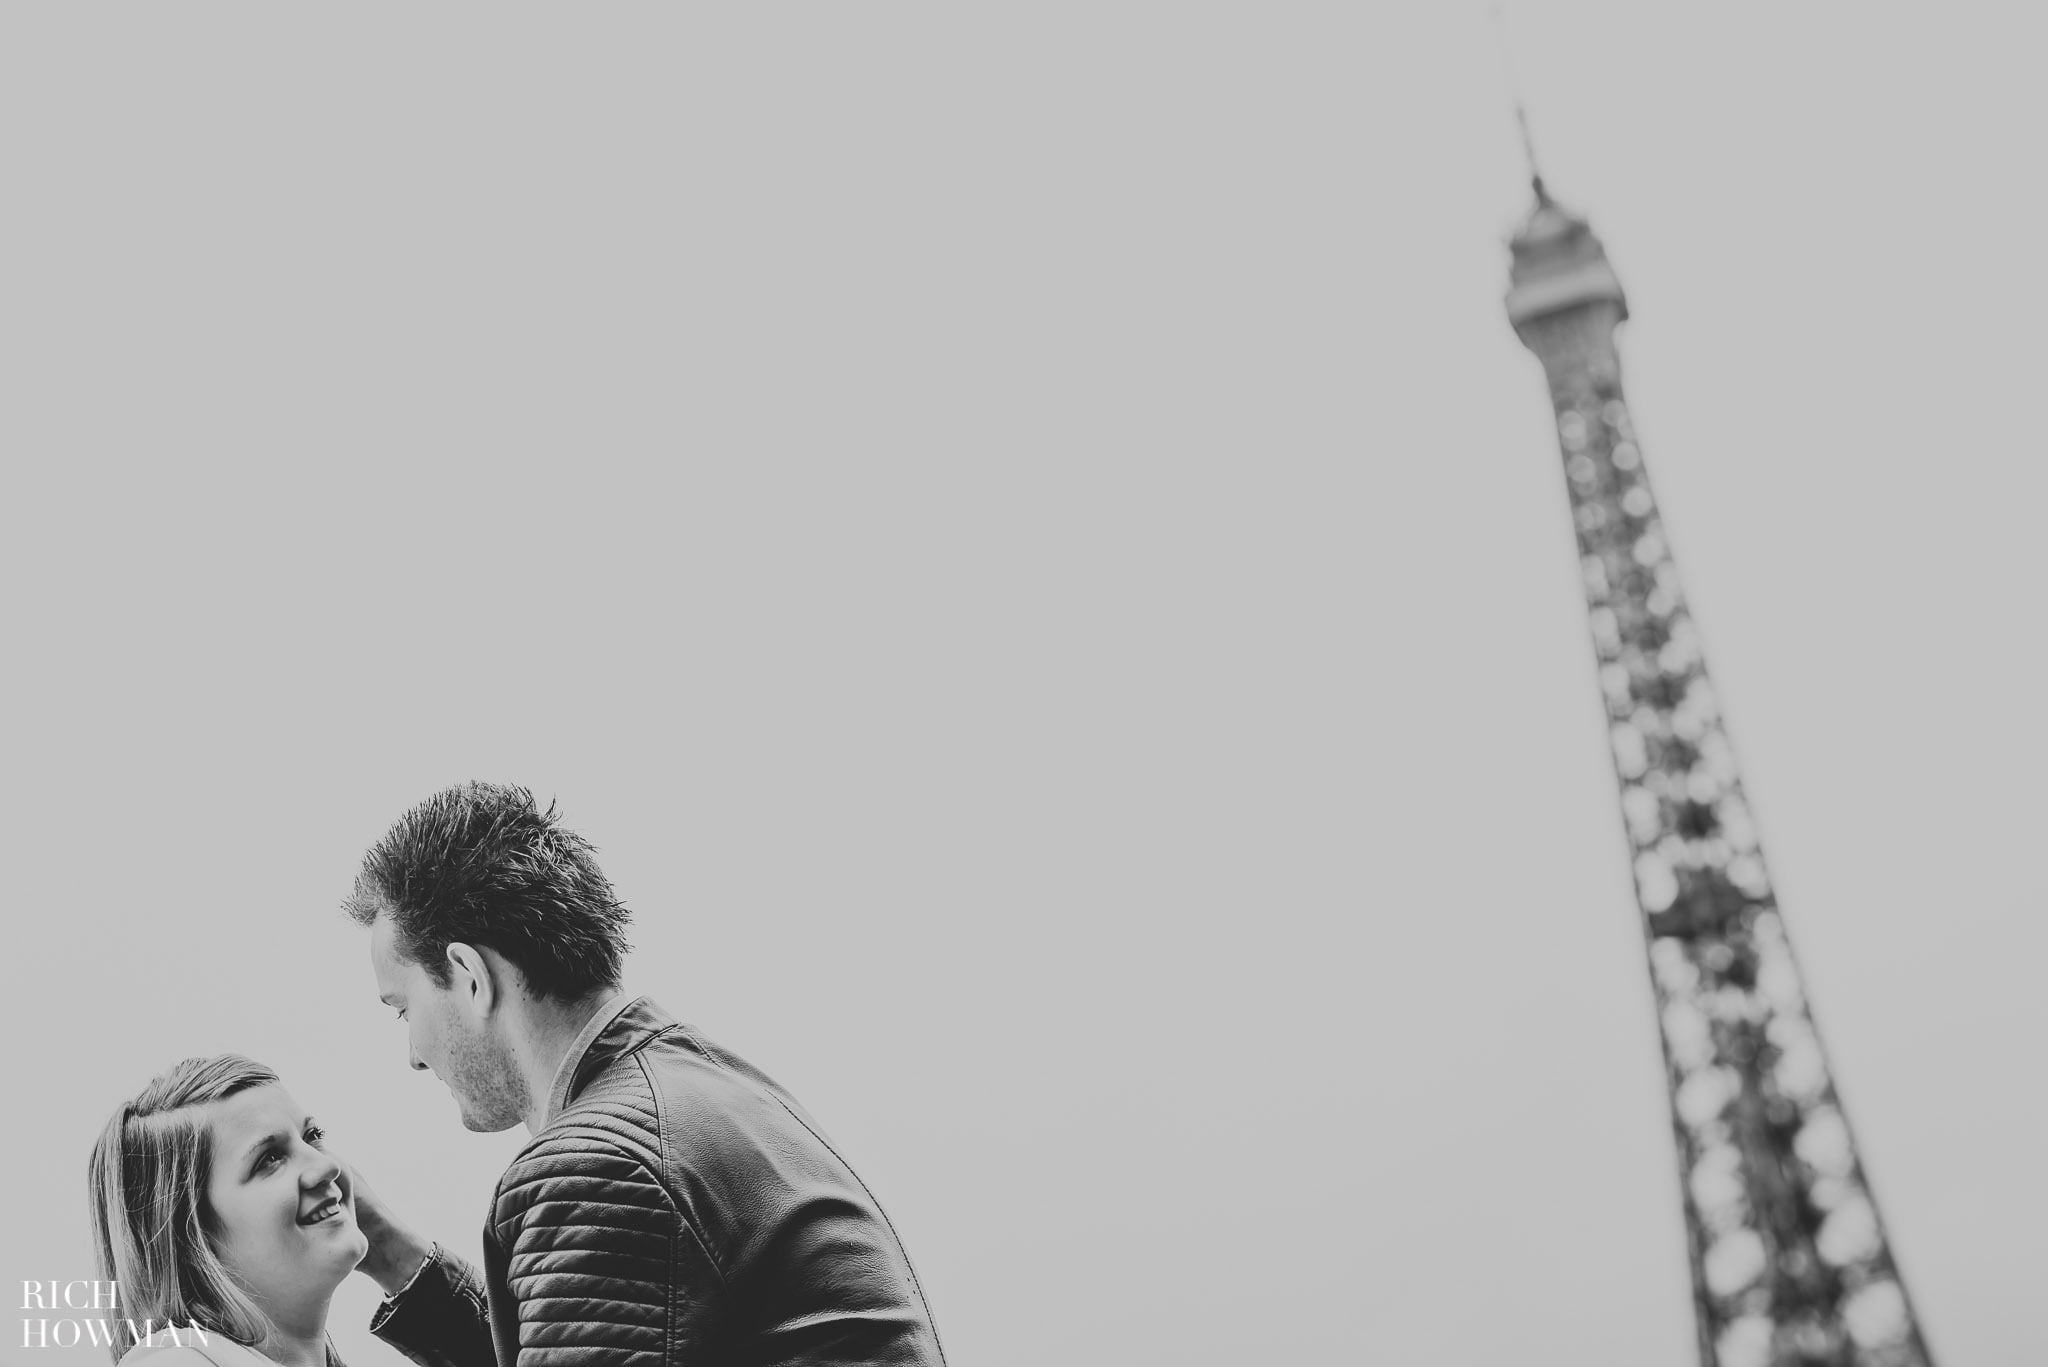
{"points": [[1507, 74], [1529, 153]]}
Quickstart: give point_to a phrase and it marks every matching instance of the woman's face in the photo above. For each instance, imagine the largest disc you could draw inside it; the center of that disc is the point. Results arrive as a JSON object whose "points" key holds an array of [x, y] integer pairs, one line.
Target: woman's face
{"points": [[284, 1212]]}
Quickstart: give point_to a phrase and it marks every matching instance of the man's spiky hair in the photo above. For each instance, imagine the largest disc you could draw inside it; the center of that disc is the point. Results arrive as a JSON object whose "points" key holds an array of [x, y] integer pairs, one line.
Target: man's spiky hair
{"points": [[481, 864]]}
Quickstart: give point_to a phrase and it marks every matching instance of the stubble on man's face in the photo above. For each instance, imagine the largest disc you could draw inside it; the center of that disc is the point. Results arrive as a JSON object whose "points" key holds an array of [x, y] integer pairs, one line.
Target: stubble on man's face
{"points": [[490, 1092]]}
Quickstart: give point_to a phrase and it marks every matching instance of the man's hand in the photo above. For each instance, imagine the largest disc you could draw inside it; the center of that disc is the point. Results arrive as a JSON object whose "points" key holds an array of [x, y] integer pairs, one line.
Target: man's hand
{"points": [[395, 1251]]}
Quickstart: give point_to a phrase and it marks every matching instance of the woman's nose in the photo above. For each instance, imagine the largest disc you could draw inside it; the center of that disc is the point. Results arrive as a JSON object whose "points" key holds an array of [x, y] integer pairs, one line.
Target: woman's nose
{"points": [[321, 1170]]}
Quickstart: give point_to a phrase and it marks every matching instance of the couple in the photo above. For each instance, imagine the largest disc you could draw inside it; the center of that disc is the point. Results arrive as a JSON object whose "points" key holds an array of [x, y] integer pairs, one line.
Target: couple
{"points": [[673, 1208]]}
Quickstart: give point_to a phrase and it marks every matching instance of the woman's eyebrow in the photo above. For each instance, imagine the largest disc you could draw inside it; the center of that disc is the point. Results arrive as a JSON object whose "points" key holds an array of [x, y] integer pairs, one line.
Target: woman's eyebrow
{"points": [[261, 1141]]}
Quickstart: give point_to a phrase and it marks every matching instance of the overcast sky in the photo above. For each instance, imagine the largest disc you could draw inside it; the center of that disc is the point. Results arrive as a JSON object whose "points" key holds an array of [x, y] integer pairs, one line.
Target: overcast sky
{"points": [[1029, 544]]}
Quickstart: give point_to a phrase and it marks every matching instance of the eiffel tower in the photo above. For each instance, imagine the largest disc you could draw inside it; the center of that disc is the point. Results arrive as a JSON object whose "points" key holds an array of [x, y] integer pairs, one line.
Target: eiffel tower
{"points": [[1790, 1263]]}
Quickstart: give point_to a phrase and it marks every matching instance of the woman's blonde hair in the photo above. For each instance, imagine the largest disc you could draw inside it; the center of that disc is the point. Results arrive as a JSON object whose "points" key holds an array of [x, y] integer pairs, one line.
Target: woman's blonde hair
{"points": [[152, 1227]]}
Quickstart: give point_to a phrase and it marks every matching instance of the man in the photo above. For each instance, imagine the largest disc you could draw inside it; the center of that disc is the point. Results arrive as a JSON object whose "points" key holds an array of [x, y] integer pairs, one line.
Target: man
{"points": [[674, 1207]]}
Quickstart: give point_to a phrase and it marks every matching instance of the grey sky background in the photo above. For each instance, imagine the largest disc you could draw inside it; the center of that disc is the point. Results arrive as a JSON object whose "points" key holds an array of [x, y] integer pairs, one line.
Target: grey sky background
{"points": [[1029, 544]]}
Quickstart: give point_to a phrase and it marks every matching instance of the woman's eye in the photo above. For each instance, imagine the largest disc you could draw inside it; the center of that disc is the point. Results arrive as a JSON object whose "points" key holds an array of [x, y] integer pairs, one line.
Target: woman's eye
{"points": [[272, 1156], [314, 1134]]}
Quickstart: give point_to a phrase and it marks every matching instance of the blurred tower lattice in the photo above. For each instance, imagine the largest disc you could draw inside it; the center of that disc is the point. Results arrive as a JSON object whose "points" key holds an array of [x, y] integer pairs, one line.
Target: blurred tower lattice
{"points": [[1790, 1264]]}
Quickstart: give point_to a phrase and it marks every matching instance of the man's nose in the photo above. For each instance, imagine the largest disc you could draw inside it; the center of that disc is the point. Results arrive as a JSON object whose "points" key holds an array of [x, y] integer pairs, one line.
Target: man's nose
{"points": [[412, 1057]]}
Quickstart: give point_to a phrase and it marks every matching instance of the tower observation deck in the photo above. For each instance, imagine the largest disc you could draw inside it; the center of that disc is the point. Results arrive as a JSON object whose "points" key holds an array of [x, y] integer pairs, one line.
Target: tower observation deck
{"points": [[1790, 1263]]}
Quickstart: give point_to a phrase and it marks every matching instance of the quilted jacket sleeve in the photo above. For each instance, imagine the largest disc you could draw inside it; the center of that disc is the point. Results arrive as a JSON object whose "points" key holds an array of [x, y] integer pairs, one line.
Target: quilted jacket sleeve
{"points": [[598, 1266], [439, 1319]]}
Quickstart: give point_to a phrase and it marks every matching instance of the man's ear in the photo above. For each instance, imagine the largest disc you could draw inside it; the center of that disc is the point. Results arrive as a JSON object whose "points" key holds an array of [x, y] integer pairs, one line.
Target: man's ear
{"points": [[473, 978]]}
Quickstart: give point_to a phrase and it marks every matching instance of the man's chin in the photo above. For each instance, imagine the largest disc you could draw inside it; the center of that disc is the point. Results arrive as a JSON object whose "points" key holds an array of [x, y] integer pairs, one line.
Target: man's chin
{"points": [[477, 1123]]}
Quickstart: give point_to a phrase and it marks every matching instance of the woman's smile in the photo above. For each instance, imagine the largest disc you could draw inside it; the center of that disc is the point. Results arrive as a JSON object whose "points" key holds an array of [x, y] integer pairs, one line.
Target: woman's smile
{"points": [[327, 1212]]}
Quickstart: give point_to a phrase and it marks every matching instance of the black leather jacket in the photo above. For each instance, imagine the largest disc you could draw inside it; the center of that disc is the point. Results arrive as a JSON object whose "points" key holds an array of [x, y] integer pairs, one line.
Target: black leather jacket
{"points": [[681, 1210]]}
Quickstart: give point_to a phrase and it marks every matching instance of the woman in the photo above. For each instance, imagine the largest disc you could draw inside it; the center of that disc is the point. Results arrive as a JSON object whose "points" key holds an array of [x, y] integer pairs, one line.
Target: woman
{"points": [[215, 1205]]}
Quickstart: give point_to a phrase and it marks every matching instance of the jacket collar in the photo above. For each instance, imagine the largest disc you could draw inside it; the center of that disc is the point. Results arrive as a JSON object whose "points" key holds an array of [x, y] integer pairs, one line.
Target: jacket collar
{"points": [[615, 1029]]}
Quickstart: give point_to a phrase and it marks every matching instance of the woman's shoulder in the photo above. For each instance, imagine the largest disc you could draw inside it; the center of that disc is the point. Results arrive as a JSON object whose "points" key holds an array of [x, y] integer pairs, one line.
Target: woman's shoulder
{"points": [[165, 1355], [193, 1349]]}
